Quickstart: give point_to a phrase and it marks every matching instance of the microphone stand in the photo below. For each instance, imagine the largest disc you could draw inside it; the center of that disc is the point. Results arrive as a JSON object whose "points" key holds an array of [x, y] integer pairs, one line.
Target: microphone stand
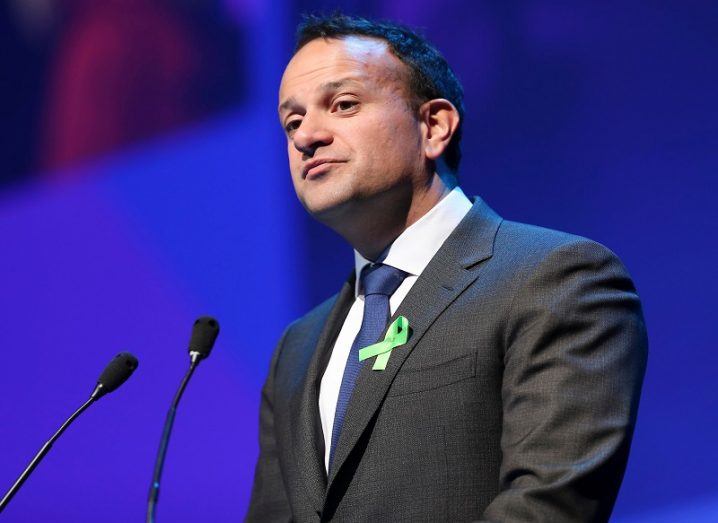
{"points": [[164, 441], [46, 448]]}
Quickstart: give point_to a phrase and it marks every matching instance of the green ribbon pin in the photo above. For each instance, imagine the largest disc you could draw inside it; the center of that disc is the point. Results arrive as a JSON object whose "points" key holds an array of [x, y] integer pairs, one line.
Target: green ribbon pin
{"points": [[396, 335]]}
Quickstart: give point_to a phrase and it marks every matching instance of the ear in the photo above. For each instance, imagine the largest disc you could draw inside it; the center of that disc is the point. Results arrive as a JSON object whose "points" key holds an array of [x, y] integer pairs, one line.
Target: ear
{"points": [[439, 120]]}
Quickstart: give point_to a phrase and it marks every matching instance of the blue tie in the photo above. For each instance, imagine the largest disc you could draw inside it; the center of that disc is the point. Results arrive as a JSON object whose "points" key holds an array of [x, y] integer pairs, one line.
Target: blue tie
{"points": [[379, 283]]}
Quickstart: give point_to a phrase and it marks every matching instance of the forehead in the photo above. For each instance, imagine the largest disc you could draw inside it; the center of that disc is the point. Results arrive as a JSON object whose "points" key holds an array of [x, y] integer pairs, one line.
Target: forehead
{"points": [[323, 60]]}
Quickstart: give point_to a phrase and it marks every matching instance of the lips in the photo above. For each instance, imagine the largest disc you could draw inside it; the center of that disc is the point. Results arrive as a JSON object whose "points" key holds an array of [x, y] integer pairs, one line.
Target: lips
{"points": [[313, 164]]}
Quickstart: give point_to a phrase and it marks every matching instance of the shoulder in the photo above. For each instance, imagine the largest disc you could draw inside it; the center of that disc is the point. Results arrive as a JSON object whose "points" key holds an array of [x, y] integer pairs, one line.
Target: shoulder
{"points": [[535, 241], [312, 320], [529, 247], [560, 278], [301, 336], [293, 353]]}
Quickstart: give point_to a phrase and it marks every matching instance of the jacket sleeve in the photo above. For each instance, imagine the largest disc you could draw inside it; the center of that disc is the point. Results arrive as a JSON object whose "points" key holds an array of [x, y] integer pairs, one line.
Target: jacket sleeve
{"points": [[574, 360], [269, 502]]}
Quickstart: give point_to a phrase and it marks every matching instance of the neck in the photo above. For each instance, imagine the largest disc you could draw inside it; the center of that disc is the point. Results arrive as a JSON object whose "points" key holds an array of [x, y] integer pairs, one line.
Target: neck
{"points": [[374, 224]]}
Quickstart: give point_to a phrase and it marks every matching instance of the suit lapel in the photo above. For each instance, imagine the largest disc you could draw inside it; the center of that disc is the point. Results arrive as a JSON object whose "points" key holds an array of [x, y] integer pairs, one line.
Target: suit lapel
{"points": [[443, 280], [304, 405]]}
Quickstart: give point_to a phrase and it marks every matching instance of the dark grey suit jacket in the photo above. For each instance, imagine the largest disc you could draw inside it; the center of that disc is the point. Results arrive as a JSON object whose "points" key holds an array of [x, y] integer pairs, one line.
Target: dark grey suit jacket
{"points": [[514, 399]]}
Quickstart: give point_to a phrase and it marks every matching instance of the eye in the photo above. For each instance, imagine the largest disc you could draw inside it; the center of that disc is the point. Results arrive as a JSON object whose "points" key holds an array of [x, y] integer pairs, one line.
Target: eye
{"points": [[291, 126], [345, 105]]}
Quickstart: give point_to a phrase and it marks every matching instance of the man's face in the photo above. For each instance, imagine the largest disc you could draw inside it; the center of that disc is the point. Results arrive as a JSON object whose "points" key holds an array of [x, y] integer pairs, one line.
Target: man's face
{"points": [[351, 136]]}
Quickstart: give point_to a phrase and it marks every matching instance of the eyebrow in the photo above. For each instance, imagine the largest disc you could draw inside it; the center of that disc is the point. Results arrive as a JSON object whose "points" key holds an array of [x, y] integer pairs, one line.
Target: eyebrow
{"points": [[338, 84], [326, 87]]}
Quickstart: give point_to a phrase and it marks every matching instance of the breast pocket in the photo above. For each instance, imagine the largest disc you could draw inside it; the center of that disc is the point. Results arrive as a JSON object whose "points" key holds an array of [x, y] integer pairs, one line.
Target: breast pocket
{"points": [[433, 376]]}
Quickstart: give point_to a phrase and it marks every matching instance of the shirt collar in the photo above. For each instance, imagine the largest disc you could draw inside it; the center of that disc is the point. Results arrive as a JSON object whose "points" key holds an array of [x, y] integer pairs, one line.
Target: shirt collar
{"points": [[412, 251]]}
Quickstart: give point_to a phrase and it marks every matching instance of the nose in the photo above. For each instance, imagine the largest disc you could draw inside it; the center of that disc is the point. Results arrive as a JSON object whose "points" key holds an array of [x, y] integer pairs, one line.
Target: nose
{"points": [[310, 135]]}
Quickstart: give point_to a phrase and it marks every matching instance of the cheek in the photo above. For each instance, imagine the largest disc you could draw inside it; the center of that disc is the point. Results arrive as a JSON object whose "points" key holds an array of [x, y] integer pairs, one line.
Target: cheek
{"points": [[399, 142], [399, 130], [295, 159], [295, 170]]}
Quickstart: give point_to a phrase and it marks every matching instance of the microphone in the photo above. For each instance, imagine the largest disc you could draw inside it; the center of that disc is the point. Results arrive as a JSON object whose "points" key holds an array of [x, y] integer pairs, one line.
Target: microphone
{"points": [[204, 332], [115, 374]]}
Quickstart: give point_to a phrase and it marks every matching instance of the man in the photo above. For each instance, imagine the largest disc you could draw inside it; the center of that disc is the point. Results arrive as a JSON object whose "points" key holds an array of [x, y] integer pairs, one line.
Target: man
{"points": [[507, 359]]}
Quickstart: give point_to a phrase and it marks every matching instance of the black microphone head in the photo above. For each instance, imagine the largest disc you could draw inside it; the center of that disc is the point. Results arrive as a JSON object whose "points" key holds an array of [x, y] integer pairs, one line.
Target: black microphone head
{"points": [[116, 373], [204, 332]]}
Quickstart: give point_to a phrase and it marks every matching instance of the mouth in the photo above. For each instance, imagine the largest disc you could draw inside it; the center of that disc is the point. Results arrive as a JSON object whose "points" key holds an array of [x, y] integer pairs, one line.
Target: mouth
{"points": [[316, 167]]}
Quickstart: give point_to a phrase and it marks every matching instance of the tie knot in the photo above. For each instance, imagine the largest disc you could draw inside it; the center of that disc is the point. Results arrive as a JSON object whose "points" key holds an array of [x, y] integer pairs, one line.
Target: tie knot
{"points": [[381, 279]]}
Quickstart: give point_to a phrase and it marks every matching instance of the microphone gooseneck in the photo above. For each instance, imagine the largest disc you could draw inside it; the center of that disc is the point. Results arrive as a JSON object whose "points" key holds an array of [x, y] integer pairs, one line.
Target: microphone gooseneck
{"points": [[115, 374], [204, 333]]}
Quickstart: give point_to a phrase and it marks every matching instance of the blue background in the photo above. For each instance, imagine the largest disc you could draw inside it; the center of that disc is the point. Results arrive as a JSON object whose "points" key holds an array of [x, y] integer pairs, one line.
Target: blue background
{"points": [[595, 118]]}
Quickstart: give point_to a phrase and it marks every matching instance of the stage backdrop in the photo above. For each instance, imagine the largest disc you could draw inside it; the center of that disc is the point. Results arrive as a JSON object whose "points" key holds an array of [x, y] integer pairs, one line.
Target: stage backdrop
{"points": [[597, 120]]}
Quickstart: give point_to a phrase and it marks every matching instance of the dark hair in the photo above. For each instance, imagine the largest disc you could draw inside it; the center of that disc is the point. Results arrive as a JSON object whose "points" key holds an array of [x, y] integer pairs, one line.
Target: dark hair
{"points": [[429, 74]]}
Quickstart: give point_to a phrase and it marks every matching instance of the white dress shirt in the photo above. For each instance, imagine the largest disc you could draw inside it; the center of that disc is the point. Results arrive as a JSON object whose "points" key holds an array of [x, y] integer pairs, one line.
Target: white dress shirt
{"points": [[411, 252]]}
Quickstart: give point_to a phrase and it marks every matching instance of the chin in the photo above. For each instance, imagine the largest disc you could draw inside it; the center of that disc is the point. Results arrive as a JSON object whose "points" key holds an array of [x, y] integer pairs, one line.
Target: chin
{"points": [[328, 210]]}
